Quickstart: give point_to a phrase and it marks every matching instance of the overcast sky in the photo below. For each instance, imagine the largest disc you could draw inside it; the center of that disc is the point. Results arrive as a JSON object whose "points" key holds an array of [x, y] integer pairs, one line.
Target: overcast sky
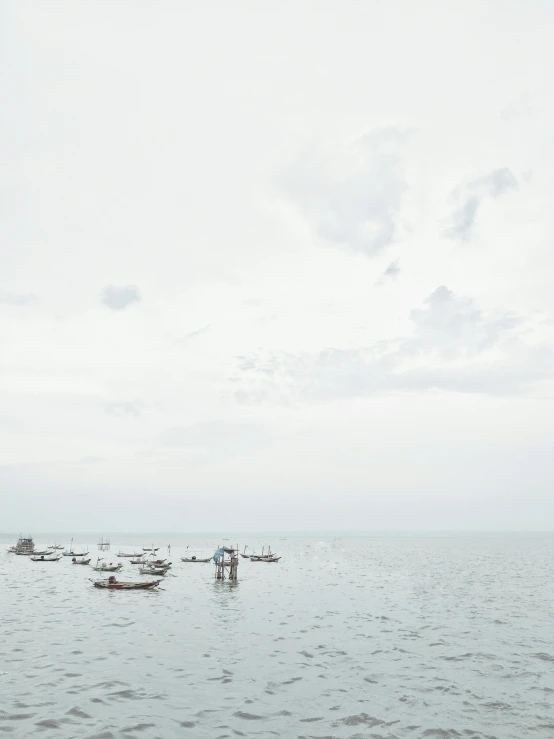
{"points": [[278, 265]]}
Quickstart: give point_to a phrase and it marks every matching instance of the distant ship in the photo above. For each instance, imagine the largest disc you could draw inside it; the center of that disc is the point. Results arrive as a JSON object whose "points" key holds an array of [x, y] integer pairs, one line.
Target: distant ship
{"points": [[25, 545]]}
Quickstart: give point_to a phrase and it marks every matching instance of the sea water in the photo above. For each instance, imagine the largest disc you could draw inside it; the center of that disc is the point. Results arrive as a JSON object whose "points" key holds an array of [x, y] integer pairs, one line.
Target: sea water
{"points": [[382, 637]]}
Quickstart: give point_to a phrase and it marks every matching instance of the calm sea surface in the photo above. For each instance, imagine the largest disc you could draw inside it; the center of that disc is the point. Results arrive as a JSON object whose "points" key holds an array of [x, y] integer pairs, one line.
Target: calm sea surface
{"points": [[345, 637]]}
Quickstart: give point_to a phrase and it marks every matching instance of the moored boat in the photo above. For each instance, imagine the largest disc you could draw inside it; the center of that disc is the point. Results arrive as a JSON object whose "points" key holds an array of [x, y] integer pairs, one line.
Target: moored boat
{"points": [[112, 584], [72, 553], [195, 559], [25, 546], [265, 559], [45, 558], [105, 567], [155, 571], [75, 561]]}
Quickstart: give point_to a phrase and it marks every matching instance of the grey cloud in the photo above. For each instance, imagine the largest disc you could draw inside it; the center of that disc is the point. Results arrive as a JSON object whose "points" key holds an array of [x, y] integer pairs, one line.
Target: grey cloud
{"points": [[463, 219], [453, 325], [493, 185], [451, 337], [197, 332], [496, 183], [391, 273], [18, 299], [354, 198], [118, 298]]}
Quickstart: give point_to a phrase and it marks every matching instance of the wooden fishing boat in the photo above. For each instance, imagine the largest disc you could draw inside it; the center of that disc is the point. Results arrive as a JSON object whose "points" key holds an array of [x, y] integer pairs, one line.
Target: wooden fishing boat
{"points": [[55, 546], [113, 584], [72, 553], [45, 558], [195, 559], [43, 553], [123, 554], [156, 572], [80, 561], [107, 567], [264, 558], [150, 549]]}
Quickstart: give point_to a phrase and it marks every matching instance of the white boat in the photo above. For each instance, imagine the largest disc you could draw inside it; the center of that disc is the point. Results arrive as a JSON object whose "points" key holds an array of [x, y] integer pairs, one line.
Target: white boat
{"points": [[46, 558]]}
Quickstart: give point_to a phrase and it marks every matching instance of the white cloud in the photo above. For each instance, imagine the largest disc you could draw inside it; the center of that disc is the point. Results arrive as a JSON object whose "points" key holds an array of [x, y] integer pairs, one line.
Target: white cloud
{"points": [[454, 347]]}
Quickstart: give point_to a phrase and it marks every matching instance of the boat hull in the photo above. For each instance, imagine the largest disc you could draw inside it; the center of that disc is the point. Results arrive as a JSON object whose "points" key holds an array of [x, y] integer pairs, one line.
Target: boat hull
{"points": [[106, 585], [189, 559], [107, 569]]}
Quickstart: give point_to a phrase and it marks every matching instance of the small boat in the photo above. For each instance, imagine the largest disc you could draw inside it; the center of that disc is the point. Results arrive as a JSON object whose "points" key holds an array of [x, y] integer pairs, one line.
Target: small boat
{"points": [[123, 554], [75, 561], [73, 553], [112, 584], [269, 557], [195, 559], [55, 546], [262, 557], [46, 558], [43, 553], [265, 559], [155, 571], [150, 549], [105, 567]]}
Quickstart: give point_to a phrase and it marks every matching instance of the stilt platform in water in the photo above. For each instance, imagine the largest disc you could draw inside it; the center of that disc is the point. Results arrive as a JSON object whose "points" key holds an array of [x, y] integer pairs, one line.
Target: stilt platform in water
{"points": [[226, 563]]}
